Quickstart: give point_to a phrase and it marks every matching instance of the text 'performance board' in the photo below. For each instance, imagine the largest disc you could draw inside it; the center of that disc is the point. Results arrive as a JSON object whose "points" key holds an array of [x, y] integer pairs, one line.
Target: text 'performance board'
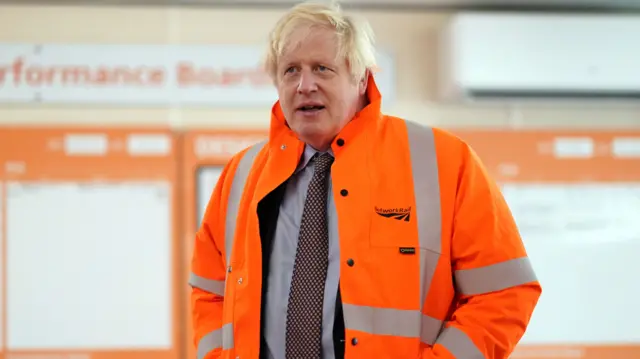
{"points": [[205, 153], [576, 199], [90, 244]]}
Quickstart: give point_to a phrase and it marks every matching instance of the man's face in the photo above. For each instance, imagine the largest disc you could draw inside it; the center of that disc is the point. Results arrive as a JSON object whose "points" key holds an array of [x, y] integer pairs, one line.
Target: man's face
{"points": [[317, 93]]}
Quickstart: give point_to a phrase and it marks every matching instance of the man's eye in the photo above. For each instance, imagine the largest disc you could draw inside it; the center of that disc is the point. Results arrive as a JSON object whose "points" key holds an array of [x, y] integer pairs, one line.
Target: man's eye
{"points": [[323, 68], [290, 70]]}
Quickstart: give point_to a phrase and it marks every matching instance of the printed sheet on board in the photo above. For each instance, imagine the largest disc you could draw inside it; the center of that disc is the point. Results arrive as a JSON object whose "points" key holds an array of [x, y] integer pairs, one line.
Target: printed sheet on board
{"points": [[576, 199], [207, 178], [91, 242]]}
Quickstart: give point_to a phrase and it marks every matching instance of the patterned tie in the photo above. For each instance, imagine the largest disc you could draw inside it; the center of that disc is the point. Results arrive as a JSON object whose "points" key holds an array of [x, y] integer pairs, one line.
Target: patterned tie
{"points": [[304, 313]]}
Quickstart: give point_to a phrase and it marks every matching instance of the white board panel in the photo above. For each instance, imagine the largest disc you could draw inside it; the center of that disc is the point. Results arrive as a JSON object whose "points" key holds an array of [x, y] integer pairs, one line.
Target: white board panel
{"points": [[584, 242], [207, 178], [89, 265]]}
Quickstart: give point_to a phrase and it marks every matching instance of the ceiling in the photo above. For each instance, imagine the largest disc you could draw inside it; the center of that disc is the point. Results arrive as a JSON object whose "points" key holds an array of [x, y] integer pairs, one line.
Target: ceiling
{"points": [[510, 3], [546, 5]]}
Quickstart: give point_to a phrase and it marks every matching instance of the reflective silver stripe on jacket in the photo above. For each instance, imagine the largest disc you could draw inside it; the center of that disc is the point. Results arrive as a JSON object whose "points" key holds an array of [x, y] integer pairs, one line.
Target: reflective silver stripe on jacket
{"points": [[495, 277], [223, 338], [208, 285], [395, 322], [459, 344], [426, 186], [220, 338], [235, 195], [409, 324]]}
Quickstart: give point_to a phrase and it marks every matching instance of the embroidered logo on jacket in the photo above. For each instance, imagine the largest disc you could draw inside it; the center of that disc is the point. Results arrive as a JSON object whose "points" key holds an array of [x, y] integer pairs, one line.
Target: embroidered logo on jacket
{"points": [[401, 214]]}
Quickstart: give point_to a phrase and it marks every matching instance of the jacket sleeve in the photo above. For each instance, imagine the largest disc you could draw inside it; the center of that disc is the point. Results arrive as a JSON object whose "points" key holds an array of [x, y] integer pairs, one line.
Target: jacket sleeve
{"points": [[207, 277], [495, 285]]}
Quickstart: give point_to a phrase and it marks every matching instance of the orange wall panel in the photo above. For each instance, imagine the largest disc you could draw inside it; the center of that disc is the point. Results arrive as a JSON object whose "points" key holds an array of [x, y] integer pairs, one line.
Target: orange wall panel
{"points": [[534, 155]]}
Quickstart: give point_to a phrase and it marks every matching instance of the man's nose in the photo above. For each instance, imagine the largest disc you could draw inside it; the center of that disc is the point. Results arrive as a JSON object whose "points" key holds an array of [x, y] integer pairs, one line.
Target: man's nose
{"points": [[307, 83]]}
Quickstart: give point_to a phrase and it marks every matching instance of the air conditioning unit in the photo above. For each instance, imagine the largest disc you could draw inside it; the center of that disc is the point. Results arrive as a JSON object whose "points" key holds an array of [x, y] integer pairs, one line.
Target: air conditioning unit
{"points": [[540, 56]]}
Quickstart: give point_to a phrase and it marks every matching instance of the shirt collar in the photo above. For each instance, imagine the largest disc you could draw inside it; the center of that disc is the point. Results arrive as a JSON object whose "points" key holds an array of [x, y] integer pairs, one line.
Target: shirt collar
{"points": [[307, 155]]}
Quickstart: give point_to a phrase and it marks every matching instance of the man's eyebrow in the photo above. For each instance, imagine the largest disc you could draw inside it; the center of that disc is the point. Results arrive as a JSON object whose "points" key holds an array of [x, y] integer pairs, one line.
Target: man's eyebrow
{"points": [[287, 62]]}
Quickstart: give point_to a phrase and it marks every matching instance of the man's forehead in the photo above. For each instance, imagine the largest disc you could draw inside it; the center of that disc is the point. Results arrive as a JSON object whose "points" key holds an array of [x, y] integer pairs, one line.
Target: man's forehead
{"points": [[316, 43]]}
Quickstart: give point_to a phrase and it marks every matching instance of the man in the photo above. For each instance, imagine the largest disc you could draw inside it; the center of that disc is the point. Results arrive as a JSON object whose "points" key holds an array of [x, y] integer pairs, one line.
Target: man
{"points": [[353, 234]]}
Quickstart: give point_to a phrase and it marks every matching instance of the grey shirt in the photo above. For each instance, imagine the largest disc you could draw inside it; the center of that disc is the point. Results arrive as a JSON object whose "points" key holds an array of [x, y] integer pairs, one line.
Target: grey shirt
{"points": [[283, 255]]}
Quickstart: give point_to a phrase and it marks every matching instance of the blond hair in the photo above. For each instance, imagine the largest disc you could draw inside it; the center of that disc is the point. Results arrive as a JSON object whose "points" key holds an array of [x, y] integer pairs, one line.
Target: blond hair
{"points": [[355, 36]]}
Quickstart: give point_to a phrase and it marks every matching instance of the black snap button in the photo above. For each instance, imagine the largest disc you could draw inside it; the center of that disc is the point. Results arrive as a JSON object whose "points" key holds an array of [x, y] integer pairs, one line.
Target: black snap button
{"points": [[340, 142], [344, 192], [350, 262], [354, 341]]}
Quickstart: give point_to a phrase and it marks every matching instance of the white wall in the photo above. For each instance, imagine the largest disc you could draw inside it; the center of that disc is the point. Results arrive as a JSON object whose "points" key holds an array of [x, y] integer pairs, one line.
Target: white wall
{"points": [[411, 36]]}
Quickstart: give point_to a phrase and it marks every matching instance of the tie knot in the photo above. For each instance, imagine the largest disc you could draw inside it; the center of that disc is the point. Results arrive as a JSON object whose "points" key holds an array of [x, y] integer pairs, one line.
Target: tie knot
{"points": [[323, 162]]}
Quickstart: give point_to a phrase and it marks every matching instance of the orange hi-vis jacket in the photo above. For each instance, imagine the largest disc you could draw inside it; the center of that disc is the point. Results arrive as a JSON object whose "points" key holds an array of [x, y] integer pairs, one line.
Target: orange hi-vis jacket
{"points": [[442, 274]]}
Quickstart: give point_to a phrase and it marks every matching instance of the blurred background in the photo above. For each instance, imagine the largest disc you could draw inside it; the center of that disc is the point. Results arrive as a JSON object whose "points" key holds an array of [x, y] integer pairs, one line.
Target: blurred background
{"points": [[116, 117]]}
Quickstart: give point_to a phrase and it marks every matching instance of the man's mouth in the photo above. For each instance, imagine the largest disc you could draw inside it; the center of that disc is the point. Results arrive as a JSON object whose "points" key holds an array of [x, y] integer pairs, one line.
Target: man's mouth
{"points": [[311, 108]]}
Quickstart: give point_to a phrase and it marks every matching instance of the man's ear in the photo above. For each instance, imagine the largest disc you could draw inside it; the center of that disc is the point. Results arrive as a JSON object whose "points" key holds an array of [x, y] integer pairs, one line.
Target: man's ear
{"points": [[364, 81]]}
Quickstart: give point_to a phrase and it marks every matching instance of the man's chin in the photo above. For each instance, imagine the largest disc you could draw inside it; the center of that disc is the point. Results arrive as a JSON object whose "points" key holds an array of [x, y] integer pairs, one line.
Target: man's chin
{"points": [[311, 119]]}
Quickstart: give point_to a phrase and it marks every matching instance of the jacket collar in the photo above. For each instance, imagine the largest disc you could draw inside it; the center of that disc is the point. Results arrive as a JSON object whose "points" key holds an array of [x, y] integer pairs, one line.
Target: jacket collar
{"points": [[286, 150], [280, 134]]}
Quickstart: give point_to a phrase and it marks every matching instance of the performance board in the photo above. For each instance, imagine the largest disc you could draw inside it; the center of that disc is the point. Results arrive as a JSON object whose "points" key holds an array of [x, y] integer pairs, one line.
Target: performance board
{"points": [[575, 197], [90, 234]]}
